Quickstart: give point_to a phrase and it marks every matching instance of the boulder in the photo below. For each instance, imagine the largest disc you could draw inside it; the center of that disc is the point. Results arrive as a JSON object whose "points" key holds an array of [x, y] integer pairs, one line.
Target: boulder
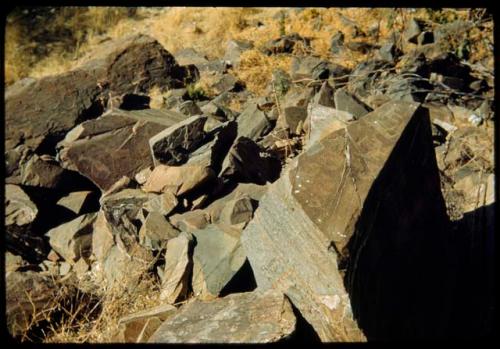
{"points": [[189, 108], [322, 120], [252, 317], [173, 145], [21, 236], [114, 145], [217, 257], [346, 191], [73, 240], [156, 231], [191, 220], [38, 114]]}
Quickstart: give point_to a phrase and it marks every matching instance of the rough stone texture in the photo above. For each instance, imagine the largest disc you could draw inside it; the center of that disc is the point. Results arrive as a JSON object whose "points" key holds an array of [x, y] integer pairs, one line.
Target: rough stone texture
{"points": [[40, 112], [325, 96], [343, 192], [292, 118], [237, 211], [178, 264], [138, 327], [13, 262], [412, 31], [41, 173], [156, 231], [173, 145], [191, 220], [252, 317], [347, 102], [114, 145], [285, 44], [234, 49], [253, 123], [20, 214], [177, 179], [26, 293], [324, 120], [337, 42], [217, 257], [73, 240], [75, 201]]}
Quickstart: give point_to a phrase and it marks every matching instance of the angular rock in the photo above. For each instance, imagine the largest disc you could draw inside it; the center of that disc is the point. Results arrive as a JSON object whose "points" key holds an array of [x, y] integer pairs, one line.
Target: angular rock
{"points": [[190, 56], [40, 173], [73, 240], [285, 44], [252, 317], [178, 264], [114, 145], [337, 42], [163, 203], [173, 145], [76, 201], [389, 52], [21, 237], [142, 176], [292, 118], [138, 327], [253, 123], [347, 102], [177, 180], [27, 294], [243, 152], [156, 231], [217, 257], [425, 38], [348, 184], [191, 220], [13, 262], [102, 237], [237, 211], [324, 120], [412, 31], [407, 89], [40, 113], [362, 78], [189, 108], [234, 49], [325, 96], [359, 46]]}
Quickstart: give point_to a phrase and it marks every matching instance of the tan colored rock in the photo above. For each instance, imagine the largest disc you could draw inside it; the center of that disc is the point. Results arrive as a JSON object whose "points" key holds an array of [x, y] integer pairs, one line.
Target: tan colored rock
{"points": [[75, 201], [252, 317], [20, 210], [177, 179], [102, 237], [238, 210], [177, 268], [142, 176], [13, 262], [163, 203], [191, 220], [156, 231], [40, 173]]}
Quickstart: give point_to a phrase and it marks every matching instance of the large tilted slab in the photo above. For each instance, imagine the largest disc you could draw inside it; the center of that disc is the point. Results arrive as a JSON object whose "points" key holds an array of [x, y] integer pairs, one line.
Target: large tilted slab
{"points": [[300, 231]]}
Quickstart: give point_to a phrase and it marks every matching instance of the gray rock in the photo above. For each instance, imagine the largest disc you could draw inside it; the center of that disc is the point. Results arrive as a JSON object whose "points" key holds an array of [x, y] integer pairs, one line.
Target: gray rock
{"points": [[252, 317], [156, 231], [191, 220], [337, 42], [217, 257], [172, 146], [325, 96], [291, 118], [73, 240], [349, 103], [412, 31], [189, 56], [253, 123], [389, 52], [285, 44], [189, 108], [321, 121], [234, 49], [237, 211], [41, 173], [178, 264], [114, 145], [305, 224]]}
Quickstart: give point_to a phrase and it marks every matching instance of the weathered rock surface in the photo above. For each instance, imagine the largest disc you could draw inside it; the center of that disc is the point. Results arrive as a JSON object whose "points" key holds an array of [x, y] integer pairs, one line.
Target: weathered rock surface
{"points": [[76, 201], [312, 209], [253, 317], [173, 145], [114, 145], [41, 173], [347, 102], [217, 257], [73, 240], [39, 113], [178, 267], [191, 220], [156, 231], [253, 123]]}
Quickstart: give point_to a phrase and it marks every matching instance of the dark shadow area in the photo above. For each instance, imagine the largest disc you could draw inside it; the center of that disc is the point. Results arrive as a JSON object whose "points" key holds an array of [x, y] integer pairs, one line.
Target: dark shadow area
{"points": [[304, 334], [135, 102], [242, 281]]}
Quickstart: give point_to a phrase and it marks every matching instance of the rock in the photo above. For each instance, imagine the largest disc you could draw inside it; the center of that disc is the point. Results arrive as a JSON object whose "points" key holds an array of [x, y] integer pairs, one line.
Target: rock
{"points": [[177, 180], [349, 103], [13, 262], [39, 173], [297, 97], [138, 327], [237, 211], [234, 49], [325, 96], [80, 268], [163, 203], [172, 145], [102, 237], [425, 38], [449, 128], [225, 83], [76, 201], [310, 67], [412, 31], [448, 64], [217, 257], [189, 56], [73, 240], [189, 108], [291, 118], [156, 231], [362, 77], [21, 236], [114, 145], [178, 264], [39, 114], [359, 46], [27, 294], [252, 317], [253, 123], [244, 151], [123, 183], [174, 97], [324, 120], [285, 44], [190, 221], [403, 89], [389, 52], [129, 101], [142, 176], [337, 42], [303, 230], [64, 268]]}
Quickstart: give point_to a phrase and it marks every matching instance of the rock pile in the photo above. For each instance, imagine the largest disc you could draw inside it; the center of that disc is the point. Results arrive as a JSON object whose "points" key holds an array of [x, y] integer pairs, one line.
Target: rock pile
{"points": [[334, 197]]}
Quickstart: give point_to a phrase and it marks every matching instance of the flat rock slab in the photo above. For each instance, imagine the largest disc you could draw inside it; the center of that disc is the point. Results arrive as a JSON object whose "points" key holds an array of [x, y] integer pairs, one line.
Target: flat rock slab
{"points": [[114, 145], [349, 103], [252, 317], [303, 225], [75, 201]]}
